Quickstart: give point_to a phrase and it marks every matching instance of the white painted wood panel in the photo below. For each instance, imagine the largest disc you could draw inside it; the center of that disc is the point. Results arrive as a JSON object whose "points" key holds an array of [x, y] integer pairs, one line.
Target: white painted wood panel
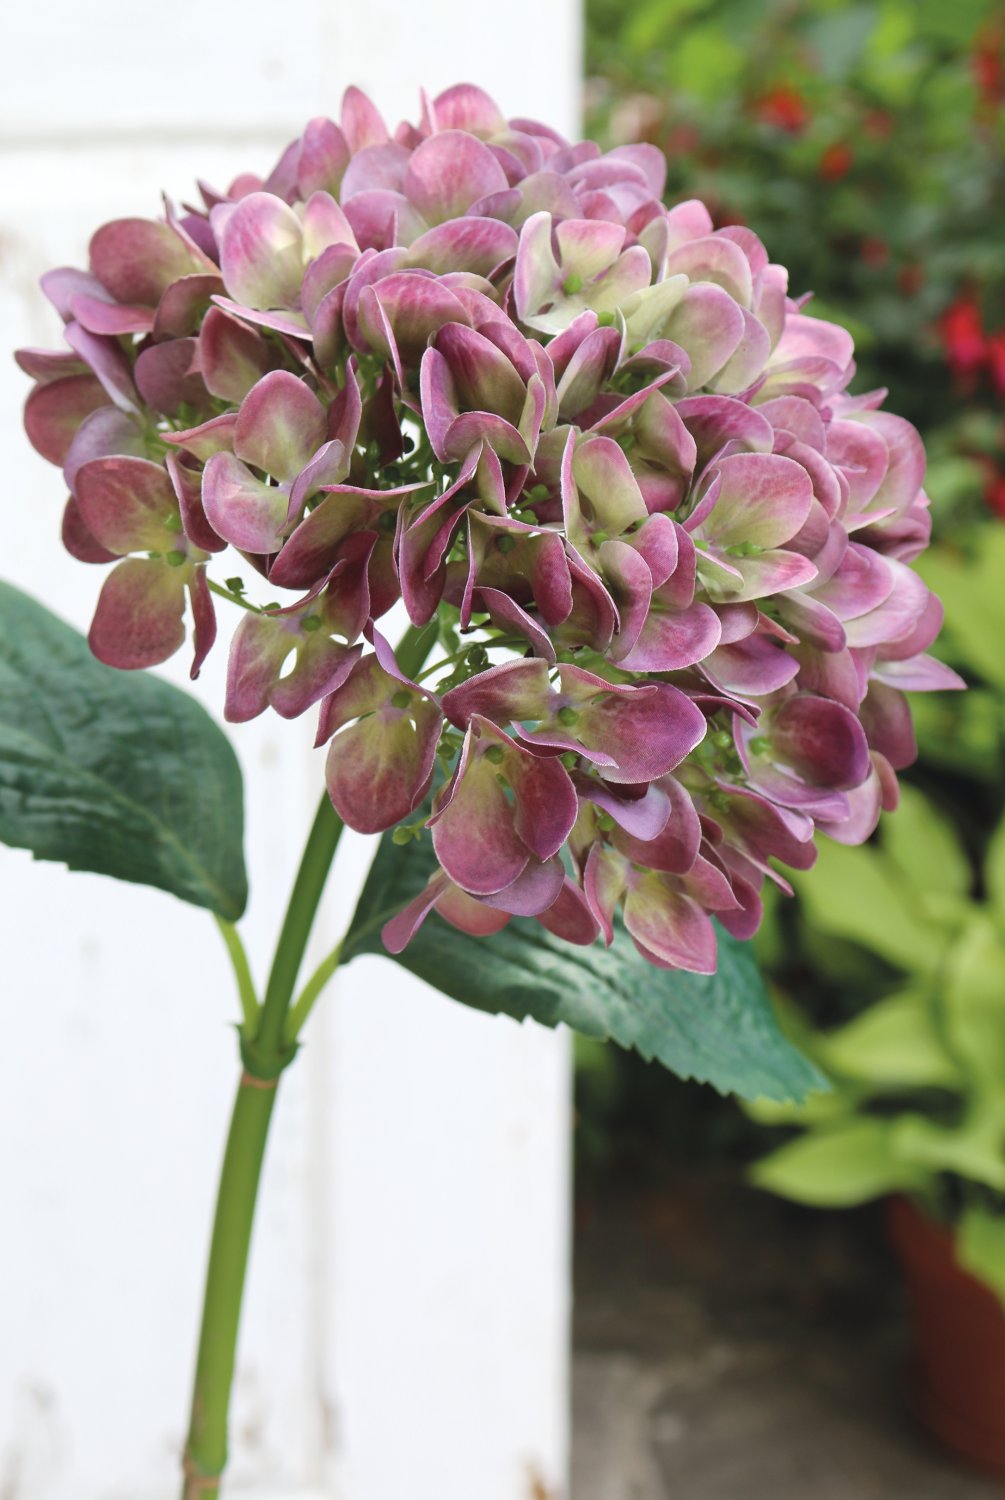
{"points": [[406, 1315]]}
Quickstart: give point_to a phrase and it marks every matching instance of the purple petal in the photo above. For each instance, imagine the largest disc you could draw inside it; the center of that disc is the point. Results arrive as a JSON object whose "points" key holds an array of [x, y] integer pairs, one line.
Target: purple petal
{"points": [[110, 318], [137, 259], [709, 326], [203, 618], [105, 431], [466, 244], [63, 283], [280, 426], [323, 157], [187, 484], [379, 769], [261, 252], [168, 378], [669, 928], [127, 503], [232, 357], [139, 620], [448, 173], [293, 324], [78, 540], [535, 889], [182, 308], [240, 508], [822, 741], [473, 832], [569, 916], [362, 124], [214, 436], [506, 694], [108, 362]]}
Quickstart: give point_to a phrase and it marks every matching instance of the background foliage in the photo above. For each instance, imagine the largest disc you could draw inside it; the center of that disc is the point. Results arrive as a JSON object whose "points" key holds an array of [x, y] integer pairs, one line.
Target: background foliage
{"points": [[863, 143]]}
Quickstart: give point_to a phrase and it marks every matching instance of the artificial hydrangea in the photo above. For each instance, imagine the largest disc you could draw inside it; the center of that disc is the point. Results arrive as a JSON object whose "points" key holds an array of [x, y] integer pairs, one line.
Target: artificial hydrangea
{"points": [[471, 367]]}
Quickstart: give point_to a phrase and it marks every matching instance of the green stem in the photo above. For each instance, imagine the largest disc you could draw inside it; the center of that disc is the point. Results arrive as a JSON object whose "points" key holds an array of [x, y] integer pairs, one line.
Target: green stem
{"points": [[268, 1046], [319, 851], [206, 1452], [242, 973], [218, 589], [304, 1003], [265, 1057]]}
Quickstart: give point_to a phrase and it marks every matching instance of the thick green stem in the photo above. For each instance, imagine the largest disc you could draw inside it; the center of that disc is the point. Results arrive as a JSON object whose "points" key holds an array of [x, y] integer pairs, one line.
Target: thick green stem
{"points": [[206, 1453], [268, 1046], [265, 1056]]}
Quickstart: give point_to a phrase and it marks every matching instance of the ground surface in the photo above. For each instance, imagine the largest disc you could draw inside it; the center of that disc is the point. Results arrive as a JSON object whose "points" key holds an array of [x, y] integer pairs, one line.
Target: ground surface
{"points": [[730, 1347]]}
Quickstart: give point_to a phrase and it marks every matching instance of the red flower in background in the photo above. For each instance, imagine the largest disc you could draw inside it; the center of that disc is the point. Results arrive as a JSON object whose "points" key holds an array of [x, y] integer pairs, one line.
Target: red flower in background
{"points": [[836, 161], [784, 108], [994, 350], [874, 252], [994, 489], [987, 62], [962, 333]]}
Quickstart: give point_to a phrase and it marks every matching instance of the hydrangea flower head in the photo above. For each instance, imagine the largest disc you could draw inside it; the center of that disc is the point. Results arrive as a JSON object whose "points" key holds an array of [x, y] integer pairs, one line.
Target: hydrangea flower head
{"points": [[473, 369]]}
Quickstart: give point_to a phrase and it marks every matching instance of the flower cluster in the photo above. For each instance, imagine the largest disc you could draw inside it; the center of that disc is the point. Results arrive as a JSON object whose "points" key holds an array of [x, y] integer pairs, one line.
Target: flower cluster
{"points": [[474, 368]]}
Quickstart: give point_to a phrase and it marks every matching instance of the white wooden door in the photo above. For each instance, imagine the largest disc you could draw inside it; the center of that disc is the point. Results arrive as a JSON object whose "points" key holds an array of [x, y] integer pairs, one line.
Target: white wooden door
{"points": [[405, 1335]]}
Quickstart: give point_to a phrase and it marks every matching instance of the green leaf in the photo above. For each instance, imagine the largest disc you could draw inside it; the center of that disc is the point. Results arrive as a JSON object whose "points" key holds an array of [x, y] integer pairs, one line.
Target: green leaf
{"points": [[980, 1247], [925, 848], [994, 874], [858, 893], [718, 1029], [974, 1000], [893, 1044], [114, 772], [838, 1166], [975, 1148], [970, 588]]}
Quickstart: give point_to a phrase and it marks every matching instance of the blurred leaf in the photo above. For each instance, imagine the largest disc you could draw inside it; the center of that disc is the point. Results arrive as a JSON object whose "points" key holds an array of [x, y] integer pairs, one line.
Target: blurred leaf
{"points": [[717, 1028], [895, 1043], [838, 1166], [972, 1149], [980, 1247], [924, 847], [113, 772], [858, 893], [840, 36], [971, 589], [994, 875], [704, 61], [974, 1001]]}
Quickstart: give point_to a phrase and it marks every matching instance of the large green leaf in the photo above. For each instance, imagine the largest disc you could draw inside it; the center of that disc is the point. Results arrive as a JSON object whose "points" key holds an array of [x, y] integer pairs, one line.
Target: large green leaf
{"points": [[114, 772], [718, 1029]]}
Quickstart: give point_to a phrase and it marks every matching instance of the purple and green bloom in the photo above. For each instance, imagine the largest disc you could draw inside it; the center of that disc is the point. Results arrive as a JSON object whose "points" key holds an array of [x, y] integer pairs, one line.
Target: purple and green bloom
{"points": [[474, 371]]}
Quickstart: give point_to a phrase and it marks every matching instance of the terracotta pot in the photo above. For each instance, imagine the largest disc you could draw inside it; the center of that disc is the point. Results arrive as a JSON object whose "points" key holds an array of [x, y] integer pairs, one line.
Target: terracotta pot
{"points": [[958, 1366]]}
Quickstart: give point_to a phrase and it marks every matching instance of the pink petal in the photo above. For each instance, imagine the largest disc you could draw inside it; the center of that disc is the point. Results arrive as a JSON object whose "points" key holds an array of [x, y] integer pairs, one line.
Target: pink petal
{"points": [[280, 426], [448, 173], [138, 259], [126, 503], [240, 508], [261, 252], [139, 620], [466, 244], [168, 379], [232, 357], [569, 916], [105, 431], [379, 769]]}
